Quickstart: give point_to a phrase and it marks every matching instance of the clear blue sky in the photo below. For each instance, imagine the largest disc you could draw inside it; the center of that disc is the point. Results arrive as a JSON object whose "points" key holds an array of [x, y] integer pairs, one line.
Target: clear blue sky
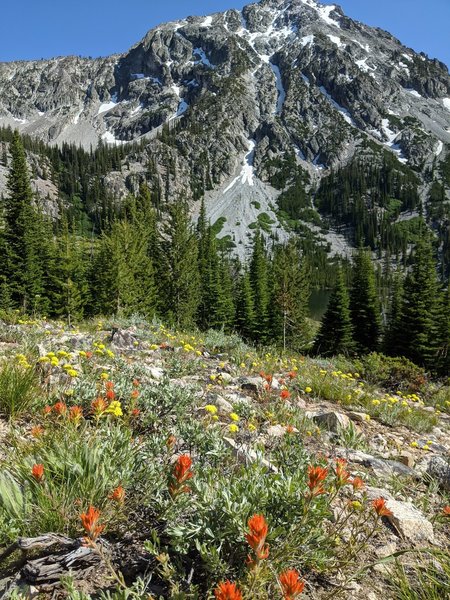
{"points": [[32, 29]]}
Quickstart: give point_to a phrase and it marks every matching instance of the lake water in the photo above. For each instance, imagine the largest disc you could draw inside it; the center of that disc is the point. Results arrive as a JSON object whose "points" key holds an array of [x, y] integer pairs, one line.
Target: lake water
{"points": [[318, 302]]}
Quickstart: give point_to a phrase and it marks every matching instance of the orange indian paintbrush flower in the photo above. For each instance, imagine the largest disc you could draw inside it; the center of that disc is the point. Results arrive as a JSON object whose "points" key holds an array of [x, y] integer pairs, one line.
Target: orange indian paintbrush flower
{"points": [[227, 591], [446, 511], [380, 508], [342, 475], [357, 483], [118, 495], [37, 472], [90, 524], [291, 584], [257, 538], [180, 474], [316, 475]]}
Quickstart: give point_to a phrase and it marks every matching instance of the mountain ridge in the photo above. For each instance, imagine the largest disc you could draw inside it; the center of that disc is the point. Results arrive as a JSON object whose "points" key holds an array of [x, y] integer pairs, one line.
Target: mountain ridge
{"points": [[295, 79]]}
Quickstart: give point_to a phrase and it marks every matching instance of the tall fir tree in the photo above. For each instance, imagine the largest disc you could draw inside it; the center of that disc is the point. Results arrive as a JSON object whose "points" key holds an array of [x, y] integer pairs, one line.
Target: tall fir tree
{"points": [[245, 309], [178, 270], [444, 334], [417, 337], [25, 237], [364, 304], [290, 297], [392, 331], [259, 278], [335, 335]]}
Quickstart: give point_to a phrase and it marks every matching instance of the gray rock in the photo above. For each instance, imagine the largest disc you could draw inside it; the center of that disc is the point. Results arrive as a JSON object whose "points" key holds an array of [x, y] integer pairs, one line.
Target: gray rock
{"points": [[410, 522], [438, 468], [224, 407], [251, 384], [247, 455], [332, 421]]}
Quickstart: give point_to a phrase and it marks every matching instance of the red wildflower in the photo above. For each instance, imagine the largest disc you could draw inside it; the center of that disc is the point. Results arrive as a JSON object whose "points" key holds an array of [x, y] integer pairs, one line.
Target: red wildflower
{"points": [[180, 474], [135, 394], [292, 374], [291, 583], [446, 511], [227, 591], [38, 472], [90, 524], [47, 410], [342, 475], [136, 383], [257, 537], [109, 385], [60, 408], [268, 378], [135, 412], [98, 406], [89, 354], [289, 429], [357, 483], [75, 414], [380, 508], [118, 495], [316, 475], [110, 394], [37, 431], [285, 394]]}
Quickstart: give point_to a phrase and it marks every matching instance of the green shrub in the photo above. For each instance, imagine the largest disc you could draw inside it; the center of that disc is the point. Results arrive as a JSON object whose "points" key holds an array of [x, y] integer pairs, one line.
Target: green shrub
{"points": [[393, 373]]}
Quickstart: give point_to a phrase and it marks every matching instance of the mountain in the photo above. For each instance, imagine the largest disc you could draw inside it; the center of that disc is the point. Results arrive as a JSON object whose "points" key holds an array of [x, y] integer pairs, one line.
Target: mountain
{"points": [[266, 113]]}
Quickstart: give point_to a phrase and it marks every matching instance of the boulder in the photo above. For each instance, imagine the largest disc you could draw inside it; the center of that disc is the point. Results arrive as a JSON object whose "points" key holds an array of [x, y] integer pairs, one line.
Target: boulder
{"points": [[332, 421]]}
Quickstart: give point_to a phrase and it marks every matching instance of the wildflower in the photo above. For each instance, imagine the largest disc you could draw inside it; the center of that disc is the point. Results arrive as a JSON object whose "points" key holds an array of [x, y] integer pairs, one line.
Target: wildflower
{"points": [[285, 394], [115, 409], [380, 508], [38, 472], [136, 383], [375, 402], [414, 444], [90, 524], [357, 483], [181, 473], [316, 475], [75, 414], [233, 428], [104, 376], [342, 475], [135, 394], [37, 431], [211, 409], [291, 583], [227, 591], [308, 390], [234, 417], [292, 374], [289, 429], [47, 410], [110, 394], [251, 427], [135, 412], [118, 495], [257, 538], [446, 511], [356, 505], [60, 408]]}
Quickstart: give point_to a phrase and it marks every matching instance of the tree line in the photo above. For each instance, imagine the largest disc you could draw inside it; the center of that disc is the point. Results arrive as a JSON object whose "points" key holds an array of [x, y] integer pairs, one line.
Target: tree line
{"points": [[159, 265]]}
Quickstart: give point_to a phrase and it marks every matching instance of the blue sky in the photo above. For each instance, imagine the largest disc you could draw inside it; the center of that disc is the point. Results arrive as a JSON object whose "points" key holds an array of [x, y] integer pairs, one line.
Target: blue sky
{"points": [[31, 29]]}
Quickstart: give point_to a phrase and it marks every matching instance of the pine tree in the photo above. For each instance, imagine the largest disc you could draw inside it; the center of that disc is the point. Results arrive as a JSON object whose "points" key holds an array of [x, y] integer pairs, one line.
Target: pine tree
{"points": [[444, 334], [245, 312], [178, 269], [223, 306], [392, 329], [335, 335], [289, 298], [25, 237], [417, 337], [259, 278], [364, 304]]}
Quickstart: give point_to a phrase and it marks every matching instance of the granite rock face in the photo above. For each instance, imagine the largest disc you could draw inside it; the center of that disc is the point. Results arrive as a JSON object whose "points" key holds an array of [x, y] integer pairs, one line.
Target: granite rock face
{"points": [[221, 101]]}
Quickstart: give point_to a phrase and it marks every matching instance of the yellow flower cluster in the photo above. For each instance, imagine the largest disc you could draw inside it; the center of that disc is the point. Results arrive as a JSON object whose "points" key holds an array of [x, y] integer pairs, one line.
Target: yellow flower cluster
{"points": [[23, 361]]}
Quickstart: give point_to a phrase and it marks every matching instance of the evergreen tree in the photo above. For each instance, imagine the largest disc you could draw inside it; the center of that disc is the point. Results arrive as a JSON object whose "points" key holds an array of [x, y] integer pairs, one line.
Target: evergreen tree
{"points": [[179, 274], [290, 296], [364, 304], [69, 284], [392, 329], [335, 335], [245, 312], [444, 334], [417, 337], [259, 274], [25, 237]]}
